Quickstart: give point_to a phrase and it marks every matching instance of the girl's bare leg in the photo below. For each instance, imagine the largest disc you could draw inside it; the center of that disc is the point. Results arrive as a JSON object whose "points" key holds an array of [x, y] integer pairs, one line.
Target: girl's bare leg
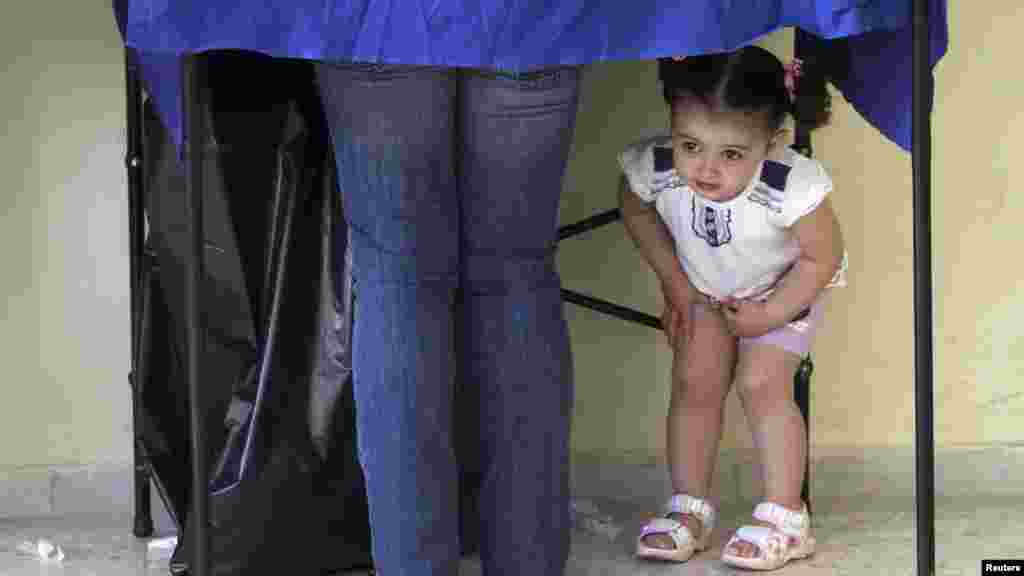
{"points": [[764, 380], [702, 371]]}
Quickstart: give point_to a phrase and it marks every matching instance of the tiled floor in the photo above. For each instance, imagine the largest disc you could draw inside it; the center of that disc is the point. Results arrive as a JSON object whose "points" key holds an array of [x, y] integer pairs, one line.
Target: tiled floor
{"points": [[870, 536]]}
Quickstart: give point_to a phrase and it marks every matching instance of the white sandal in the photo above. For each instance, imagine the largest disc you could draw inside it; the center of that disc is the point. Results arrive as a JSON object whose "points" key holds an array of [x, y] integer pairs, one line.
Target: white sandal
{"points": [[790, 539], [685, 544]]}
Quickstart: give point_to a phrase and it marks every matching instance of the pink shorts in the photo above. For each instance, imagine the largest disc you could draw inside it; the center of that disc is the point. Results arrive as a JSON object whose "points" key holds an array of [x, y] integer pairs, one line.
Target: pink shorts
{"points": [[795, 337]]}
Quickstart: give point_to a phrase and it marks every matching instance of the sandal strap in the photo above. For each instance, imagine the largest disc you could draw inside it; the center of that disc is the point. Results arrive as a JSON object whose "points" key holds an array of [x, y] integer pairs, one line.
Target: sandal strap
{"points": [[770, 543], [678, 531], [686, 504], [791, 522], [762, 536]]}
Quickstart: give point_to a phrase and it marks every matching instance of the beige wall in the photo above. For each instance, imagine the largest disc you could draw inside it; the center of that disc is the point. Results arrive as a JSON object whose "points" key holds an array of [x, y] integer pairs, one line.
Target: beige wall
{"points": [[63, 239], [979, 279]]}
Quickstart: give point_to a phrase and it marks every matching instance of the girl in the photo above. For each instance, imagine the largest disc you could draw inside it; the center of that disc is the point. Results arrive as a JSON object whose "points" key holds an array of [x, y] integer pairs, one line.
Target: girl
{"points": [[739, 229]]}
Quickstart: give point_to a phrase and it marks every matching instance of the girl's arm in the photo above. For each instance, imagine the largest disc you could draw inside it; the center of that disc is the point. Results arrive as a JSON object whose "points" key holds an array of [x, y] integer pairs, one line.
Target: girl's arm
{"points": [[652, 238], [649, 235], [821, 254]]}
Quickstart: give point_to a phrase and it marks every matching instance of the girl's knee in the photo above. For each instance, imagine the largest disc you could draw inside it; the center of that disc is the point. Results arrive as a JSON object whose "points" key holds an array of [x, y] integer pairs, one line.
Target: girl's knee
{"points": [[696, 387], [703, 366], [758, 389], [767, 379]]}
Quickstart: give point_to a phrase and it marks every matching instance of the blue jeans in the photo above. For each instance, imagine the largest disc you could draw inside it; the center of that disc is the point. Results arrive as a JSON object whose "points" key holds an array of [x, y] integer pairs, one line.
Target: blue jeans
{"points": [[450, 179]]}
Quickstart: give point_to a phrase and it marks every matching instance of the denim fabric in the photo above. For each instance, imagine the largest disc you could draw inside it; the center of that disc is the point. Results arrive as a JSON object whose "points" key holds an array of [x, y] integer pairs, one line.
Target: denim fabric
{"points": [[451, 179]]}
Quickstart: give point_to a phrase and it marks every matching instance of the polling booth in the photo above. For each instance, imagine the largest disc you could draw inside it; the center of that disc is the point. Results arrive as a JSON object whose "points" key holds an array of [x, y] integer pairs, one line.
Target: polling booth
{"points": [[241, 284]]}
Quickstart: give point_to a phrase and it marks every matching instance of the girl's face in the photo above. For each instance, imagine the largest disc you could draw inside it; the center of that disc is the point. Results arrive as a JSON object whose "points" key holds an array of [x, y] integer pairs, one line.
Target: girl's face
{"points": [[718, 151]]}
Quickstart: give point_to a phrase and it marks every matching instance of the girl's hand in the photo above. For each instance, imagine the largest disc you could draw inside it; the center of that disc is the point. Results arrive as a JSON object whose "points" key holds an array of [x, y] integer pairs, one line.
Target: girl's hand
{"points": [[749, 318], [676, 317], [675, 322]]}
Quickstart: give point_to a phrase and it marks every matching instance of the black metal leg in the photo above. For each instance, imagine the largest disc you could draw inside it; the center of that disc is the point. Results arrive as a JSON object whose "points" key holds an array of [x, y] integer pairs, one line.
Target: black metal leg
{"points": [[802, 393], [192, 99], [143, 471], [595, 221], [142, 523], [923, 362], [611, 309], [597, 304]]}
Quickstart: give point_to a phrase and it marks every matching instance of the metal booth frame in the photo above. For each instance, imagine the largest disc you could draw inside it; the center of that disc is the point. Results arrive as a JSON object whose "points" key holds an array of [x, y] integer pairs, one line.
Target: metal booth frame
{"points": [[192, 97]]}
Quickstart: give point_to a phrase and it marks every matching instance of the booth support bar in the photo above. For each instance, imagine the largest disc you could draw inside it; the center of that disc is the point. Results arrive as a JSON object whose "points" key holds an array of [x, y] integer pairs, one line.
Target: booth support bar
{"points": [[923, 309], [193, 94]]}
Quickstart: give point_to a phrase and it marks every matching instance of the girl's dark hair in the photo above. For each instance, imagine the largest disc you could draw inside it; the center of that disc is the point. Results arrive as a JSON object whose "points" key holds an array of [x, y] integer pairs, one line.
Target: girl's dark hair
{"points": [[750, 79]]}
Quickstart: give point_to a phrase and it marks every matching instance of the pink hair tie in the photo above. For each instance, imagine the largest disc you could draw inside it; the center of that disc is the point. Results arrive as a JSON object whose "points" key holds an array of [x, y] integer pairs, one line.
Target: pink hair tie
{"points": [[794, 70]]}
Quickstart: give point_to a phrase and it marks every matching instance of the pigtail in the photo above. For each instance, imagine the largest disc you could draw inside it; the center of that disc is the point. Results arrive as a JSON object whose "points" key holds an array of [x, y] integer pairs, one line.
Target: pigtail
{"points": [[667, 73], [812, 103], [812, 100]]}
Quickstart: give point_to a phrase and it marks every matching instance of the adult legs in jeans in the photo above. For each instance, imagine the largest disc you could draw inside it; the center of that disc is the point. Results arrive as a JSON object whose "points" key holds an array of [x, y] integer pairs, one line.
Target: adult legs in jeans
{"points": [[437, 196], [515, 139]]}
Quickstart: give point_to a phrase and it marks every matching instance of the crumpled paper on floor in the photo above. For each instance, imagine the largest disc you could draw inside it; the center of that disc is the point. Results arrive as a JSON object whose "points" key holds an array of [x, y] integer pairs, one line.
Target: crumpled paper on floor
{"points": [[588, 518], [42, 549]]}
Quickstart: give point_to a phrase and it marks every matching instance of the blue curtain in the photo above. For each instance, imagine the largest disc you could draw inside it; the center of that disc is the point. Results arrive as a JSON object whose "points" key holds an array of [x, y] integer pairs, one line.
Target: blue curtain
{"points": [[527, 34]]}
